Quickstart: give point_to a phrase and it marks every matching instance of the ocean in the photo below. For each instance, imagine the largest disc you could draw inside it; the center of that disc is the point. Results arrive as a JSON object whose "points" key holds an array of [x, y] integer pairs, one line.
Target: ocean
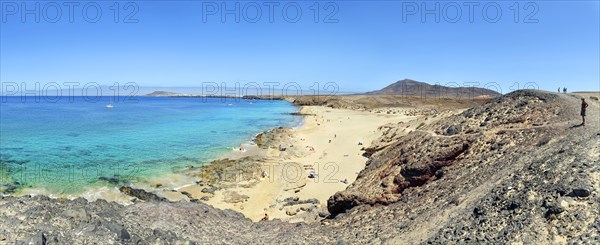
{"points": [[70, 143]]}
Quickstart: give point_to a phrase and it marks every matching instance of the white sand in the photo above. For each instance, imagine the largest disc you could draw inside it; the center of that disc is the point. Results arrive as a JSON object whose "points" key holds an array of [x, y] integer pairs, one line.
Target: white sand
{"points": [[332, 162]]}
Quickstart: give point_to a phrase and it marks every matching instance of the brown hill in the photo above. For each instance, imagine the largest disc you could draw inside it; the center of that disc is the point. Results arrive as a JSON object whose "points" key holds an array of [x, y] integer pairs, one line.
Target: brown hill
{"points": [[410, 87]]}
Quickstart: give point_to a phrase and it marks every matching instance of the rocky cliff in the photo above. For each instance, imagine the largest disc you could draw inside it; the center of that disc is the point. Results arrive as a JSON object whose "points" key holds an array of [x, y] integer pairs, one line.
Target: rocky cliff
{"points": [[516, 169]]}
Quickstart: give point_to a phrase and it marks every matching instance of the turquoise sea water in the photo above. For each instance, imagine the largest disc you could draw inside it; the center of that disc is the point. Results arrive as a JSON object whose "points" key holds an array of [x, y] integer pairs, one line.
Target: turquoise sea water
{"points": [[67, 145]]}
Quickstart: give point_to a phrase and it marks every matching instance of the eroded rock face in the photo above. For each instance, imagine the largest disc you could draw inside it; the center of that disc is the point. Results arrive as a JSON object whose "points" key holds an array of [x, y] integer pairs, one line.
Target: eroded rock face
{"points": [[409, 163], [501, 127]]}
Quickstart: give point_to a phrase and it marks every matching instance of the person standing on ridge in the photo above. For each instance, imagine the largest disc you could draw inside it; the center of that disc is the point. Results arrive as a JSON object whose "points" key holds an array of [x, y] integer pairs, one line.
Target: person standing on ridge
{"points": [[558, 89], [584, 106]]}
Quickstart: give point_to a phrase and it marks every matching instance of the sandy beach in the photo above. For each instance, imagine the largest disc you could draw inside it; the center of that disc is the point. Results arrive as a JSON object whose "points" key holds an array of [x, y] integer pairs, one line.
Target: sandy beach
{"points": [[328, 145], [321, 157]]}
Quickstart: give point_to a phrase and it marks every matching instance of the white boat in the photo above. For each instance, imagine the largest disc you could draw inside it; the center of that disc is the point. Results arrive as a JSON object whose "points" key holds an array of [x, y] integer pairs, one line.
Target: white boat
{"points": [[109, 106]]}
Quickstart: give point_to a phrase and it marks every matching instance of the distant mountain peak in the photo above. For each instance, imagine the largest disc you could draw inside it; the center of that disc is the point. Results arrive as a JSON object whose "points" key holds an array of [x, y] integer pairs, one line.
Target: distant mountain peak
{"points": [[408, 82], [410, 87]]}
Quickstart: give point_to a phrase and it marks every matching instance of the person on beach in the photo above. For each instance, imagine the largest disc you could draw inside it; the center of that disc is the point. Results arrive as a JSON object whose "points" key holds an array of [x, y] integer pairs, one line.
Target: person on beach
{"points": [[265, 218], [559, 89], [564, 90], [584, 106]]}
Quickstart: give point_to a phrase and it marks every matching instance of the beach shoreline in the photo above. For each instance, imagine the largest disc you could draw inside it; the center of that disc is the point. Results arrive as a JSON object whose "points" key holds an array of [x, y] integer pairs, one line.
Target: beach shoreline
{"points": [[322, 156], [285, 173]]}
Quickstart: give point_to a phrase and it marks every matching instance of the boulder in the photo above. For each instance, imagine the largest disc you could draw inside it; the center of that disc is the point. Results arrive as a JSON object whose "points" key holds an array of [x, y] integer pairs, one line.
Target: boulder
{"points": [[454, 129], [141, 194], [580, 192], [210, 190]]}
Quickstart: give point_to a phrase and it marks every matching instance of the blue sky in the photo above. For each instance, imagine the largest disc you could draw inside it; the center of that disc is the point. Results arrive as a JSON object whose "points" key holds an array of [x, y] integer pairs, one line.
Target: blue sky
{"points": [[370, 44]]}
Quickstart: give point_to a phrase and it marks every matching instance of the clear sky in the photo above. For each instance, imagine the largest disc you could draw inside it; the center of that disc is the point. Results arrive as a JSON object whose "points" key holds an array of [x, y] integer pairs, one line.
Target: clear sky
{"points": [[367, 44]]}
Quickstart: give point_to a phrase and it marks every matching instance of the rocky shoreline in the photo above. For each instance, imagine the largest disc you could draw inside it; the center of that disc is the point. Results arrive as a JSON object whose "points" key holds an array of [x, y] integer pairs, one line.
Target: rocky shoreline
{"points": [[228, 182], [514, 170]]}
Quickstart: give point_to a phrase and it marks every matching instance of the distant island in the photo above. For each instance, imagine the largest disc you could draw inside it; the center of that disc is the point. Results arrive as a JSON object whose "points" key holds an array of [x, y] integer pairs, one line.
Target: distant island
{"points": [[163, 94]]}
